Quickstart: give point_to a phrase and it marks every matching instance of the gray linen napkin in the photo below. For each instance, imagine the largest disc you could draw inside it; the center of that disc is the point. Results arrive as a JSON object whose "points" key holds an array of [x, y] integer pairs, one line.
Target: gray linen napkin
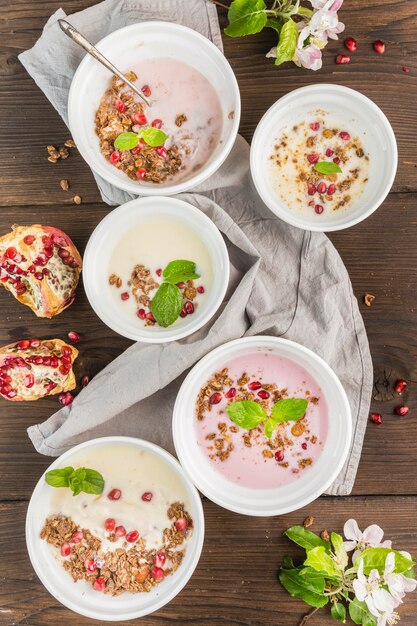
{"points": [[284, 281]]}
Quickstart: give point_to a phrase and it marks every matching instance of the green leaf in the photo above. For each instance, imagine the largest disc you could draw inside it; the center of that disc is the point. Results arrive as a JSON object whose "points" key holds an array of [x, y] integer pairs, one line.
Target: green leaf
{"points": [[358, 612], [166, 304], [289, 409], [180, 271], [246, 17], [318, 559], [304, 12], [154, 137], [59, 477], [93, 482], [339, 550], [374, 558], [338, 612], [287, 43], [308, 589], [305, 538], [287, 563], [246, 414], [327, 167], [275, 23], [270, 426], [126, 141]]}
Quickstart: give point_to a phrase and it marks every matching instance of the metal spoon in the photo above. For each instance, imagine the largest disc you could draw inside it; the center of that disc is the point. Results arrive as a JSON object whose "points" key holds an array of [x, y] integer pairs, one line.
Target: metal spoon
{"points": [[76, 36]]}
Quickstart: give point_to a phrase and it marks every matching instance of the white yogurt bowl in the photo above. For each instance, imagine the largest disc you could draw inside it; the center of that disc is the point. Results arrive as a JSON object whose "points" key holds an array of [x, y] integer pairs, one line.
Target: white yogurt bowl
{"points": [[251, 501], [362, 117], [97, 266], [80, 597], [126, 47]]}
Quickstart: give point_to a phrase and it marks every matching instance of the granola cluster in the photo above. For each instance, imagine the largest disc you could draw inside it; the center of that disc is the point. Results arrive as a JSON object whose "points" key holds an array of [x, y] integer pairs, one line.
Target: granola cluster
{"points": [[127, 568]]}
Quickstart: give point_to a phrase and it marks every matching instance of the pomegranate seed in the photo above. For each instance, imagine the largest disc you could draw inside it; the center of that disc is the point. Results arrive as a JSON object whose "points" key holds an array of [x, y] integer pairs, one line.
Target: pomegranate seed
{"points": [[181, 524], [114, 494], [400, 385], [157, 574], [54, 362], [379, 46], [23, 345], [132, 536], [336, 160], [65, 398], [141, 314], [402, 410], [140, 173], [311, 190], [159, 559], [147, 496], [48, 252], [38, 275], [120, 531], [350, 44], [318, 209], [78, 536], [215, 398], [376, 418], [279, 456], [137, 148], [5, 390], [99, 584], [63, 253], [84, 381], [231, 393], [183, 312], [181, 285], [255, 385], [263, 394], [329, 152], [312, 203], [146, 90], [29, 381], [90, 566], [157, 123], [39, 360], [114, 157], [12, 393], [139, 118], [406, 69], [73, 336], [159, 272], [162, 152], [65, 549], [11, 252], [150, 317], [64, 370], [29, 239], [200, 289], [341, 59], [315, 125], [331, 189], [120, 105], [304, 446], [344, 135], [110, 524], [124, 295], [321, 187], [49, 385], [313, 157], [66, 351], [189, 307], [46, 360]]}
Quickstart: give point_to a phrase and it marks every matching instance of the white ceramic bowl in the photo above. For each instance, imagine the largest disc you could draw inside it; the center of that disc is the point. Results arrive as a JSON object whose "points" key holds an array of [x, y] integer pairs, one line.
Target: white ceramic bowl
{"points": [[126, 47], [362, 116], [262, 502], [80, 597], [100, 246]]}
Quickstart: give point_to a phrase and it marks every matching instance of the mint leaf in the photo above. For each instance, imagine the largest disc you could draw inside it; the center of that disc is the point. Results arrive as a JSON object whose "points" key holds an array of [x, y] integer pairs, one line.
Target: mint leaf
{"points": [[305, 538], [318, 559], [359, 614], [166, 304], [126, 141], [59, 477], [339, 550], [374, 558], [180, 271], [289, 409], [308, 588], [338, 612], [93, 482], [269, 427], [154, 137], [246, 17], [246, 414], [287, 43], [327, 167]]}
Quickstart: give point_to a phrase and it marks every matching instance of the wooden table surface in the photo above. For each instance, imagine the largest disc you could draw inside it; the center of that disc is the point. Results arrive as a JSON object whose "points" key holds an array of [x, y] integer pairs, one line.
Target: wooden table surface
{"points": [[236, 579]]}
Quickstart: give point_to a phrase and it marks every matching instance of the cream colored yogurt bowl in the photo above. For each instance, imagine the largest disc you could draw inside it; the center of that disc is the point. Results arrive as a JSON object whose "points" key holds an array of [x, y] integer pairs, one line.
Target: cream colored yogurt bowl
{"points": [[80, 597], [125, 48]]}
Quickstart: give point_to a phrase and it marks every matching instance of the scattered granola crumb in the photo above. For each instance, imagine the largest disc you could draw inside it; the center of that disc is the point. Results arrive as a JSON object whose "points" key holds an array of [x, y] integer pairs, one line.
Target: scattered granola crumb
{"points": [[63, 153], [52, 159], [64, 184], [325, 535], [369, 299], [231, 115], [70, 143], [180, 119], [77, 200], [309, 521]]}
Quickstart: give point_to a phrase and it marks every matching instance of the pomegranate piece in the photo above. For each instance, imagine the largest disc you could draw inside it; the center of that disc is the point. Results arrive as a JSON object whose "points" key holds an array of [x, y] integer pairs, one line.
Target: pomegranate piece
{"points": [[319, 209], [215, 398], [146, 90], [65, 549], [351, 44], [304, 446], [406, 69], [402, 410], [200, 289], [329, 152], [29, 380], [311, 189], [66, 398], [157, 574], [379, 46], [114, 494], [341, 59], [231, 393], [73, 336], [400, 385], [263, 394], [99, 584], [313, 157], [279, 456], [331, 189], [29, 239], [110, 524], [132, 536], [120, 531], [84, 381], [140, 173], [124, 295], [336, 160], [376, 418], [150, 317], [315, 125], [141, 314], [139, 118], [157, 123], [159, 271], [114, 157], [23, 345], [147, 496], [159, 559], [255, 385], [11, 252], [78, 536], [180, 285], [321, 187], [181, 524], [162, 152], [344, 135], [90, 566], [189, 307], [120, 105]]}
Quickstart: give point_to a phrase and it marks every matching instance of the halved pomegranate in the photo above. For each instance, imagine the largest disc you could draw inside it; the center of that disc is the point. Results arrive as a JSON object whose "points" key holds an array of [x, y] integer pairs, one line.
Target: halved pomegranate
{"points": [[40, 266], [31, 369]]}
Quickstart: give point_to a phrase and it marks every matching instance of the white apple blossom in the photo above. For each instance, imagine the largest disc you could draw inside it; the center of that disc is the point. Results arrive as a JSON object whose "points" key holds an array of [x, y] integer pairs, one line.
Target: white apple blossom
{"points": [[358, 541], [369, 589], [398, 584]]}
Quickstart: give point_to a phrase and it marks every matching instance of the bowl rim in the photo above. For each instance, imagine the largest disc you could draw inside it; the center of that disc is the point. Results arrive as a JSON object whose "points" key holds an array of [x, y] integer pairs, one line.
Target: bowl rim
{"points": [[206, 171], [197, 537], [347, 92], [116, 214], [216, 496]]}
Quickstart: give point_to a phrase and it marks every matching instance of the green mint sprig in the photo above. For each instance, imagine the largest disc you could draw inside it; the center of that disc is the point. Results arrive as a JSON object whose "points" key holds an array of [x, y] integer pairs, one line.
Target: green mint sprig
{"points": [[154, 137], [167, 302], [81, 479], [248, 414], [327, 167]]}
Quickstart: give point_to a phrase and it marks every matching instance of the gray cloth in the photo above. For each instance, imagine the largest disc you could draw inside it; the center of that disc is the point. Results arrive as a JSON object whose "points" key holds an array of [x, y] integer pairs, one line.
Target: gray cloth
{"points": [[284, 281]]}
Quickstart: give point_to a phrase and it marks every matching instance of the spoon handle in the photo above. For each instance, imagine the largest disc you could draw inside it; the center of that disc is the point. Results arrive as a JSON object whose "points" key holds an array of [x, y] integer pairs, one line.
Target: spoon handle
{"points": [[76, 36]]}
